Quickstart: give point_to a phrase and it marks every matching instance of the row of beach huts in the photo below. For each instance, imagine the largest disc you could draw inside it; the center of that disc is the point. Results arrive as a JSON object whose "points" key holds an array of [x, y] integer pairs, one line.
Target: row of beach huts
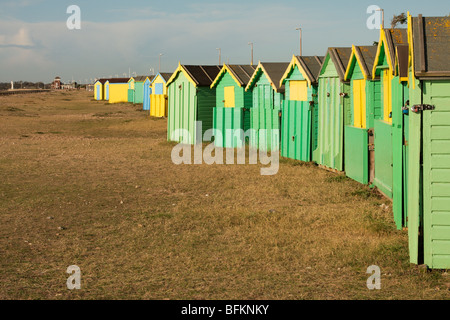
{"points": [[380, 113]]}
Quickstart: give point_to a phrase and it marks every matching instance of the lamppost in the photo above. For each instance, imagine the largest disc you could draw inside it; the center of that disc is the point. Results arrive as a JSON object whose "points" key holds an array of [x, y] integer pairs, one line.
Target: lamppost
{"points": [[382, 17], [251, 44], [160, 55], [300, 29], [220, 55]]}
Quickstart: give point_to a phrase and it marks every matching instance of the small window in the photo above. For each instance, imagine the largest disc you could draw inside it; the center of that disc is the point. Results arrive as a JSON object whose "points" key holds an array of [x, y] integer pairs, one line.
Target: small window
{"points": [[159, 88]]}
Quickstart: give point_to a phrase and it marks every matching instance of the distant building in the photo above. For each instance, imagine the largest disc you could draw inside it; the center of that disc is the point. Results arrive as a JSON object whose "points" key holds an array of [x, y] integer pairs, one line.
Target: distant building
{"points": [[70, 86], [56, 84]]}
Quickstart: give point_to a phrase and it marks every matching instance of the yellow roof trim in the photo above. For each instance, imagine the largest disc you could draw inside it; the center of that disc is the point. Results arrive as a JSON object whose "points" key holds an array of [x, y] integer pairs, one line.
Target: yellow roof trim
{"points": [[260, 66], [131, 79], [356, 56], [294, 62], [156, 77], [222, 71], [180, 68], [377, 56], [411, 52]]}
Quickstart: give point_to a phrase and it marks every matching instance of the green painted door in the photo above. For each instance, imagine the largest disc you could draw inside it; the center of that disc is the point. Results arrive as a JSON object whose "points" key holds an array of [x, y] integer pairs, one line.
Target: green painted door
{"points": [[330, 124], [296, 130], [356, 154], [131, 95], [436, 174], [265, 125], [405, 150], [182, 111], [230, 124], [399, 151], [383, 157]]}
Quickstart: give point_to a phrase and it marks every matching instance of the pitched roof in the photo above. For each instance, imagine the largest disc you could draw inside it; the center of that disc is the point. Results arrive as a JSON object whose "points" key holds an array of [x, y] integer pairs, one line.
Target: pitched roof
{"points": [[140, 78], [102, 81], [118, 80], [309, 66], [390, 39], [365, 55], [165, 75], [203, 75], [200, 75], [274, 72], [340, 58], [241, 73], [431, 46], [395, 37]]}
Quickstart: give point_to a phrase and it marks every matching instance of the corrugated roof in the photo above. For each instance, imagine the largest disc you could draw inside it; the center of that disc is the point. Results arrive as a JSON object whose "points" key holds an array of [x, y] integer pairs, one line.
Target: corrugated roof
{"points": [[243, 72], [141, 78], [431, 43], [395, 37], [340, 58], [118, 80], [311, 65], [165, 75], [275, 70], [367, 56], [202, 75]]}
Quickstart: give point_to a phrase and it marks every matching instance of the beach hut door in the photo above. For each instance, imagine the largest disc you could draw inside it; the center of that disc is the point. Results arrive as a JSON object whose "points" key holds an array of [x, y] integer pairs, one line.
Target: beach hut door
{"points": [[435, 213]]}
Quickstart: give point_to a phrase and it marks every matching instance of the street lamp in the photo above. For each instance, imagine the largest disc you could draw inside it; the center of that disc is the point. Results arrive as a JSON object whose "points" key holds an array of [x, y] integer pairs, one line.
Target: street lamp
{"points": [[382, 17], [300, 29], [220, 55], [160, 55], [251, 44]]}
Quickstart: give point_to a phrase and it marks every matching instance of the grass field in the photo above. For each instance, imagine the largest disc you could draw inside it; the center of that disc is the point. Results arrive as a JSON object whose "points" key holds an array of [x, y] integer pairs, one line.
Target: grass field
{"points": [[91, 184]]}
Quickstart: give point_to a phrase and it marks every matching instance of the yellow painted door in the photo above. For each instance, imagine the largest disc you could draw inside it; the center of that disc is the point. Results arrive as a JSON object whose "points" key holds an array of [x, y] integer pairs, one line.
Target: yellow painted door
{"points": [[387, 95], [229, 97], [298, 90], [359, 103]]}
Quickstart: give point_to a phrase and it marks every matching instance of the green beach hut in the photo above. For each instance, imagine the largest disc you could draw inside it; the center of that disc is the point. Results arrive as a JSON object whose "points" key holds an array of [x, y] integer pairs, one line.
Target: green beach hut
{"points": [[268, 96], [233, 104], [365, 105], [190, 100], [300, 108], [136, 89], [390, 68], [429, 141], [333, 99]]}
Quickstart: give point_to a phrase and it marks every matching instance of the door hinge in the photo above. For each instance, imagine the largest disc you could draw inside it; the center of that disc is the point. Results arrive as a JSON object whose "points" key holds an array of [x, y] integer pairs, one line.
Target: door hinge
{"points": [[422, 107]]}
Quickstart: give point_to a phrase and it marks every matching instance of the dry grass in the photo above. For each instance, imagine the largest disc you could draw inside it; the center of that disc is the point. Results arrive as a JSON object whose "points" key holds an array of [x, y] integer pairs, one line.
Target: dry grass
{"points": [[140, 227]]}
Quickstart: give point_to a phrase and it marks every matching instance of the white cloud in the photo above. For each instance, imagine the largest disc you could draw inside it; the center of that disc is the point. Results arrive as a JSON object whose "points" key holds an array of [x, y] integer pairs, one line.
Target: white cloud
{"points": [[20, 39], [41, 50]]}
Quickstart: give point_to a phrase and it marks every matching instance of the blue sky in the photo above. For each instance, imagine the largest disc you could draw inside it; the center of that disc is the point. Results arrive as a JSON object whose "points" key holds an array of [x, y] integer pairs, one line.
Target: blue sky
{"points": [[119, 36]]}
